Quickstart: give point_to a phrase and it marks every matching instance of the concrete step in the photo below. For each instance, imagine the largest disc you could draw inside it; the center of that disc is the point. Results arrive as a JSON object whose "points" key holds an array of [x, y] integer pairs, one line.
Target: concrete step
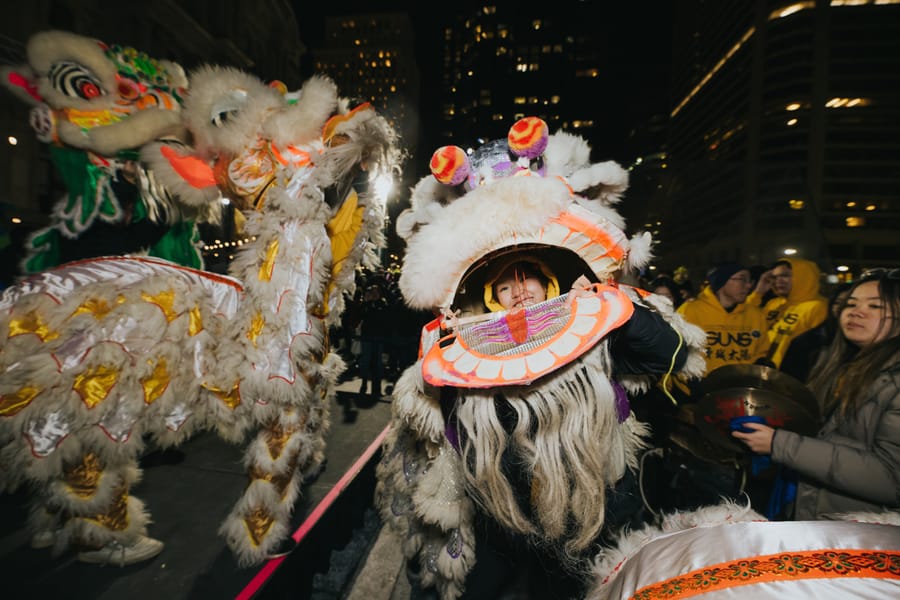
{"points": [[383, 574]]}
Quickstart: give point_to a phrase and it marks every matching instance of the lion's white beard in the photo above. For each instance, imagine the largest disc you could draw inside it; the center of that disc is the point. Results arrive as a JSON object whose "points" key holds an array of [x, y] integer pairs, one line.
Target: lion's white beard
{"points": [[567, 438]]}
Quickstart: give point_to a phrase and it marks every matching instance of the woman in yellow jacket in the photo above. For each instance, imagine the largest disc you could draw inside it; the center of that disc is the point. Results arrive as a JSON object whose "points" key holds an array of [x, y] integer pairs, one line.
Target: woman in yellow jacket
{"points": [[735, 329]]}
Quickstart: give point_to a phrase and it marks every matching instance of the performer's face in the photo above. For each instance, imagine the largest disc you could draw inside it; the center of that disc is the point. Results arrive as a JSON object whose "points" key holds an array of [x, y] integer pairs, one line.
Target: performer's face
{"points": [[517, 287]]}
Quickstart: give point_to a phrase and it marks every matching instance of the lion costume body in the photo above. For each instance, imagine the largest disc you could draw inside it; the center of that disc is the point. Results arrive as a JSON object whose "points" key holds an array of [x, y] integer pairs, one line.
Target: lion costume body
{"points": [[517, 414], [100, 353]]}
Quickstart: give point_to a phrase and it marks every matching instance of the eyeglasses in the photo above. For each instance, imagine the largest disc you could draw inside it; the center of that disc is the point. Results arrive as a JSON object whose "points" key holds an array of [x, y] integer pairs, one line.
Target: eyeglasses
{"points": [[880, 273]]}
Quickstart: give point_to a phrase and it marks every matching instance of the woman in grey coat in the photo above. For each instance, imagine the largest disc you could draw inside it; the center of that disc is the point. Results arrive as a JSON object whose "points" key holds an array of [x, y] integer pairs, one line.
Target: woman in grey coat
{"points": [[853, 464]]}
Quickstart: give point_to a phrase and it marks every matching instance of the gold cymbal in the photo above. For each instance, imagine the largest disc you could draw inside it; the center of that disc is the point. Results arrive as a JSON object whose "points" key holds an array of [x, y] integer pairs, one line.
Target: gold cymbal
{"points": [[753, 390]]}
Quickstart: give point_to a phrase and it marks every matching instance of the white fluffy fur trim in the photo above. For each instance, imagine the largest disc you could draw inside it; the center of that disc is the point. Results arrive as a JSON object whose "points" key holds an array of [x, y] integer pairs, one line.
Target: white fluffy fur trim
{"points": [[885, 517], [87, 531], [416, 408], [48, 47], [565, 154], [260, 494], [219, 90], [483, 220], [605, 181], [303, 121], [608, 560], [440, 497], [640, 251]]}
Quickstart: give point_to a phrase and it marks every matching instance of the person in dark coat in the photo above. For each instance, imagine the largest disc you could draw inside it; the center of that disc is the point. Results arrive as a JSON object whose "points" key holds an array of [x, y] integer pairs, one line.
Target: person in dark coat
{"points": [[374, 330]]}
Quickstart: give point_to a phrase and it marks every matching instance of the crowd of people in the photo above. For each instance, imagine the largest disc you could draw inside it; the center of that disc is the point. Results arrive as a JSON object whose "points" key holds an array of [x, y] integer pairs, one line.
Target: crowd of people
{"points": [[845, 348], [378, 333]]}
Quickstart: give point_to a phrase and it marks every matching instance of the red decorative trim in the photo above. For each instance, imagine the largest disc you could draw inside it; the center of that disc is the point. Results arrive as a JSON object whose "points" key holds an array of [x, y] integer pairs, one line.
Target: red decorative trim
{"points": [[809, 564], [272, 565]]}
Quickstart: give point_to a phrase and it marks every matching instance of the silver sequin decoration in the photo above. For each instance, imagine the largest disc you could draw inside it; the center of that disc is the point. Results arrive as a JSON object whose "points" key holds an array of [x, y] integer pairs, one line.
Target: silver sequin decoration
{"points": [[45, 433], [455, 544], [176, 418], [118, 422]]}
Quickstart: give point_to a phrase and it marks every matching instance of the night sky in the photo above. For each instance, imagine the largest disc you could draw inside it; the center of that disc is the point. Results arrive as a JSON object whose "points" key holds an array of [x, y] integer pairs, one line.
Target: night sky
{"points": [[639, 41]]}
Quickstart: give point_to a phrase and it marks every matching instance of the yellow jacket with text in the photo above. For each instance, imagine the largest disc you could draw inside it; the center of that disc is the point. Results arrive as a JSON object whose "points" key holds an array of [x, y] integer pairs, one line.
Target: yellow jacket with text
{"points": [[732, 338], [803, 309]]}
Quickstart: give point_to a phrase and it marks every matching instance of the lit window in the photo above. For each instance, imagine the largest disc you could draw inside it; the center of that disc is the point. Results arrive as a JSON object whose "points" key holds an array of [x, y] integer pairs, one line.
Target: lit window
{"points": [[791, 122], [855, 221], [519, 100], [793, 106], [851, 204], [791, 9], [871, 207], [796, 204]]}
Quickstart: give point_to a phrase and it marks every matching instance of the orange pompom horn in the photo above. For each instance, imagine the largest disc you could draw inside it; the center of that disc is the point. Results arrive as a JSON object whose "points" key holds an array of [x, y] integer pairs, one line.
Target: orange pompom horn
{"points": [[528, 137], [450, 165]]}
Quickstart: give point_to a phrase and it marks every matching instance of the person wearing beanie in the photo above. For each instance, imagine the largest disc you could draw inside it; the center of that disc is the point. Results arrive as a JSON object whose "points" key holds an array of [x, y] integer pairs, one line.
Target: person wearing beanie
{"points": [[720, 275], [735, 329], [797, 307]]}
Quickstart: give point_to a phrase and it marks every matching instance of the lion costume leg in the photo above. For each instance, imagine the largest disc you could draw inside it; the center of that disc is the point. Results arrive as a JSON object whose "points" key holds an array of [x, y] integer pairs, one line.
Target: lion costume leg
{"points": [[92, 505]]}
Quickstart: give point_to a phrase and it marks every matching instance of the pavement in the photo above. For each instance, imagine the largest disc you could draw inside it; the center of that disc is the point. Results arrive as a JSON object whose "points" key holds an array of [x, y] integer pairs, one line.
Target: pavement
{"points": [[189, 491]]}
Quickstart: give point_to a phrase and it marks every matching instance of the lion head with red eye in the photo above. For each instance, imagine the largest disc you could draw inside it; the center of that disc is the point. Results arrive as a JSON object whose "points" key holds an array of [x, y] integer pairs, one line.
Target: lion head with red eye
{"points": [[96, 105], [83, 91]]}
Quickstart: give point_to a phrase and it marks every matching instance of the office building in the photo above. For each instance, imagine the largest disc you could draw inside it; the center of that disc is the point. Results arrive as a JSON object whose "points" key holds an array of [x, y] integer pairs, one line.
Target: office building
{"points": [[784, 137]]}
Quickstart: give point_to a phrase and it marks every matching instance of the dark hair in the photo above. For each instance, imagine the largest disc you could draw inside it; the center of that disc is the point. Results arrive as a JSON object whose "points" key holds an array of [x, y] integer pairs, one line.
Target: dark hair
{"points": [[527, 268], [663, 281], [831, 319], [842, 375]]}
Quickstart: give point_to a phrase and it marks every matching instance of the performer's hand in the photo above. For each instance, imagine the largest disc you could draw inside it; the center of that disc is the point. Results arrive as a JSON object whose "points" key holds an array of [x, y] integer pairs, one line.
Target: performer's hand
{"points": [[759, 440], [581, 288], [450, 319]]}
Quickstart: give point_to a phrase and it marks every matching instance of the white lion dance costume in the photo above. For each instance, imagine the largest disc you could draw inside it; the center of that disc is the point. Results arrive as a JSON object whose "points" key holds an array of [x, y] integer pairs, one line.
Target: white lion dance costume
{"points": [[520, 414], [97, 354], [96, 105]]}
